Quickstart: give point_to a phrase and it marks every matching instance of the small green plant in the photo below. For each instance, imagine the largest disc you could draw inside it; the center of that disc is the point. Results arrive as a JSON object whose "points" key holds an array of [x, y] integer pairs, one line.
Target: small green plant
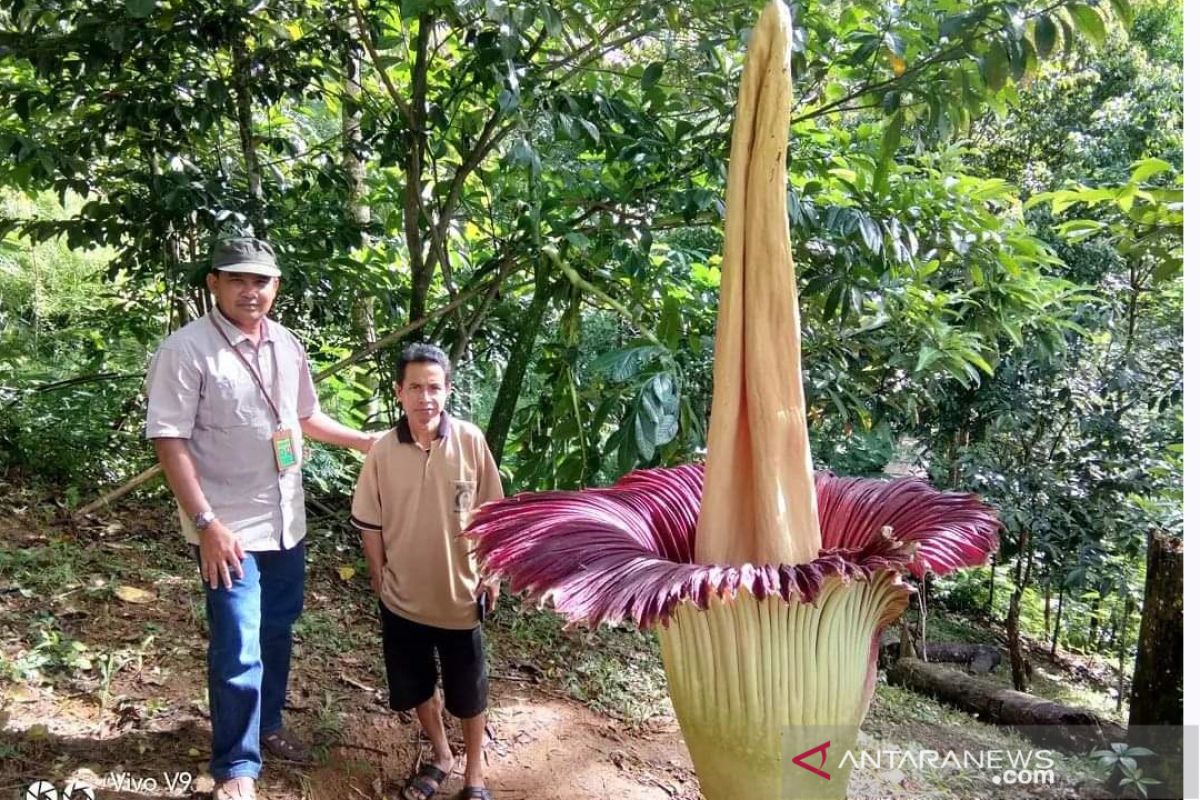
{"points": [[1124, 758], [110, 664], [61, 652], [329, 727]]}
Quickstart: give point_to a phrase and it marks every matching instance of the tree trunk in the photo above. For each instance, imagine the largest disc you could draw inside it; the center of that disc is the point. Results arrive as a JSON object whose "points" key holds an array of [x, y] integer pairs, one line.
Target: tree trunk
{"points": [[1046, 595], [1123, 647], [1016, 657], [518, 362], [422, 259], [358, 213], [1058, 614], [1055, 725], [1094, 625], [991, 611], [245, 118], [1156, 693], [1021, 669]]}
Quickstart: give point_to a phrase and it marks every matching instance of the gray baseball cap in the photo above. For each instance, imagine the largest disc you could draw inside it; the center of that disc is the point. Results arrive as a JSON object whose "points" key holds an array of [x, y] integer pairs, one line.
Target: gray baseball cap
{"points": [[245, 255]]}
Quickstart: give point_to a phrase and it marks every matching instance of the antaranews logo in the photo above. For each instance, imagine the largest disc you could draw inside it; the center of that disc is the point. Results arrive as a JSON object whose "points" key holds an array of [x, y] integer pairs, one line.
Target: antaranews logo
{"points": [[801, 760]]}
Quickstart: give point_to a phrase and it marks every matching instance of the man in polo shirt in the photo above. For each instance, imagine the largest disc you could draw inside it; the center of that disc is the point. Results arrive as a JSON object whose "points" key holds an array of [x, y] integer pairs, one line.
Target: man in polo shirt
{"points": [[230, 397], [416, 491]]}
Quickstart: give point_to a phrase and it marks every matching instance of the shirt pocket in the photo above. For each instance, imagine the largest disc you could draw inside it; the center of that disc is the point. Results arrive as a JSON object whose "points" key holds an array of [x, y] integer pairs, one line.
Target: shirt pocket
{"points": [[462, 499], [230, 402]]}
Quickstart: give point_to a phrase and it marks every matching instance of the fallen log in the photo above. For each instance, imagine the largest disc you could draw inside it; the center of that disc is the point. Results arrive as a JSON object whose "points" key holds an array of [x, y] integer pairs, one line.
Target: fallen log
{"points": [[976, 657], [1051, 724]]}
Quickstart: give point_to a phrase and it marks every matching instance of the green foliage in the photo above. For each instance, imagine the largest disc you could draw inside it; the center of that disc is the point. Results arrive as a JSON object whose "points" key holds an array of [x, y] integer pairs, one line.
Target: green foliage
{"points": [[993, 295], [850, 451]]}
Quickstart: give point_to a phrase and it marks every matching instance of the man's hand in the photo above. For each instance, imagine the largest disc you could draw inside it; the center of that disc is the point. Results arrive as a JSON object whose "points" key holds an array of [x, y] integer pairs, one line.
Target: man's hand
{"points": [[371, 438], [324, 428], [376, 582], [489, 587], [220, 555]]}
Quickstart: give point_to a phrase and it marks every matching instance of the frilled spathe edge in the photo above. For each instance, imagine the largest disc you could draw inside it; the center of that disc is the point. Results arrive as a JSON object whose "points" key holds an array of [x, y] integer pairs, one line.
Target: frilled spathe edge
{"points": [[625, 552]]}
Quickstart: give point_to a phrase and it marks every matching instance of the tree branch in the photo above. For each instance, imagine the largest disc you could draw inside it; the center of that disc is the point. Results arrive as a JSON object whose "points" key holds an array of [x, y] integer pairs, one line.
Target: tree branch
{"points": [[365, 31]]}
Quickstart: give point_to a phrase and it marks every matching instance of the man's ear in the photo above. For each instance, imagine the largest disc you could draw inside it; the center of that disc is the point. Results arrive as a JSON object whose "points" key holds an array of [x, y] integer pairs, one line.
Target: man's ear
{"points": [[211, 281]]}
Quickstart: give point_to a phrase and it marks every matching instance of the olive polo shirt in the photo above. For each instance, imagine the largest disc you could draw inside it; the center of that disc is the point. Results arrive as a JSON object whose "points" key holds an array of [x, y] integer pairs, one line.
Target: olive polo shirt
{"points": [[420, 501]]}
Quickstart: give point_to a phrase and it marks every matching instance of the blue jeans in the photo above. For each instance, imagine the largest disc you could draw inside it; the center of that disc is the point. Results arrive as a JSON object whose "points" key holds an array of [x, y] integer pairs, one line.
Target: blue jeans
{"points": [[249, 655]]}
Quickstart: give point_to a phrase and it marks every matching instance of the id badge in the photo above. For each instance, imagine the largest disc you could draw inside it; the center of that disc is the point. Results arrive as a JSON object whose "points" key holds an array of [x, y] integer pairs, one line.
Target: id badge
{"points": [[285, 449]]}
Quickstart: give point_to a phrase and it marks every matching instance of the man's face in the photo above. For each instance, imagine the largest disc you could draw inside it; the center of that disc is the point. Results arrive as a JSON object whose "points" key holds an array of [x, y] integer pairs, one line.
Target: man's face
{"points": [[422, 391], [242, 296]]}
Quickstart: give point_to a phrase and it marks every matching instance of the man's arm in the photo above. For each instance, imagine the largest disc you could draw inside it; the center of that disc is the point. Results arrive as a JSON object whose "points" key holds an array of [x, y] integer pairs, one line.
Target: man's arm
{"points": [[372, 544], [220, 552], [323, 428], [366, 514]]}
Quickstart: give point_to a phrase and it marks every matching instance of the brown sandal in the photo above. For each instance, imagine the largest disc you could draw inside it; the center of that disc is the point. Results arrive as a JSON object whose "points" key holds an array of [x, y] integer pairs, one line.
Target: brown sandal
{"points": [[424, 783], [284, 744]]}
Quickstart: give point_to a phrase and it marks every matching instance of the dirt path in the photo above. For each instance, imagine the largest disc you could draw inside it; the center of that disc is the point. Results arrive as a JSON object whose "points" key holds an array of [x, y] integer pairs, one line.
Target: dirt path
{"points": [[107, 688], [544, 748]]}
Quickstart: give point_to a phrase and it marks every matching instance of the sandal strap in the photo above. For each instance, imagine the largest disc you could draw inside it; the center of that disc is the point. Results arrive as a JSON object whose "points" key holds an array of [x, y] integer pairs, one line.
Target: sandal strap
{"points": [[431, 771], [426, 781], [281, 740]]}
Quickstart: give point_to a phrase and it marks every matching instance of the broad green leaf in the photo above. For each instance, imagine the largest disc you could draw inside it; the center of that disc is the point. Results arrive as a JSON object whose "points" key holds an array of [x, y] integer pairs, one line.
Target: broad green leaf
{"points": [[1068, 35], [1080, 228], [1167, 269], [622, 365], [139, 9], [1018, 55], [1013, 332], [928, 356], [413, 8], [1147, 168], [652, 75], [1124, 11], [995, 67], [891, 141], [872, 237], [591, 129], [977, 360], [1089, 22], [848, 175], [552, 19], [1045, 34]]}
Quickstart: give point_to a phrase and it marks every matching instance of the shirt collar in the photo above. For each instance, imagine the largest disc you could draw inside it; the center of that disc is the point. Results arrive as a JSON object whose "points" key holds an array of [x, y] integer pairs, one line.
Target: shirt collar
{"points": [[235, 334], [404, 433]]}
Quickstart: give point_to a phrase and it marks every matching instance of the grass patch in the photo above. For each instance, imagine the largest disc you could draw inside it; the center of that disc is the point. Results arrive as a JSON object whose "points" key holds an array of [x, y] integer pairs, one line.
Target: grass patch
{"points": [[614, 670]]}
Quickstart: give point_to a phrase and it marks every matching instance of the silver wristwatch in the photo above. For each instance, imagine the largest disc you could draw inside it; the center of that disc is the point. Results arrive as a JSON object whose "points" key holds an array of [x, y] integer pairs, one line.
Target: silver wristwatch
{"points": [[204, 519]]}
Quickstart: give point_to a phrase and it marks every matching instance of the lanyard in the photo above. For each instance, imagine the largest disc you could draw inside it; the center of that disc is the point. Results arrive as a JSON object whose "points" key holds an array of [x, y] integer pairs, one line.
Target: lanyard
{"points": [[253, 372]]}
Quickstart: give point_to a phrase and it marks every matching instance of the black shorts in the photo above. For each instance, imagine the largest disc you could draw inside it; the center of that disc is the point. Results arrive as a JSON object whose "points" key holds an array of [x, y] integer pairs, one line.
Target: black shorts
{"points": [[408, 655]]}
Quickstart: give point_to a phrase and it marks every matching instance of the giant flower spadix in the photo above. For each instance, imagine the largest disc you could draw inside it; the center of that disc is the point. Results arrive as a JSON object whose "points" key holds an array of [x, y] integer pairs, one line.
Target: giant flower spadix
{"points": [[768, 584]]}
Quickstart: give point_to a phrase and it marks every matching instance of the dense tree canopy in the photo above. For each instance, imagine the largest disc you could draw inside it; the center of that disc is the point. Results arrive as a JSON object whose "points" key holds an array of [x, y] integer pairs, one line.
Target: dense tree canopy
{"points": [[985, 201]]}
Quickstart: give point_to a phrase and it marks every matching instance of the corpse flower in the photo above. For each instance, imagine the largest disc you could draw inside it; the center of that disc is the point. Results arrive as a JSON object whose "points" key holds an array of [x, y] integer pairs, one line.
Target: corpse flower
{"points": [[768, 584]]}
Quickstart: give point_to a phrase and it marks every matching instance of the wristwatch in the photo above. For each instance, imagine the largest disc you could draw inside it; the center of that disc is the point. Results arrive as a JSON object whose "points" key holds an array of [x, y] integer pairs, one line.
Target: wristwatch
{"points": [[204, 519]]}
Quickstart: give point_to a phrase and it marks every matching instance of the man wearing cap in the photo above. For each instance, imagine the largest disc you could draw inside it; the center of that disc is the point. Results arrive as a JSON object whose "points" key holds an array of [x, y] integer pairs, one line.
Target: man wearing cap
{"points": [[229, 399]]}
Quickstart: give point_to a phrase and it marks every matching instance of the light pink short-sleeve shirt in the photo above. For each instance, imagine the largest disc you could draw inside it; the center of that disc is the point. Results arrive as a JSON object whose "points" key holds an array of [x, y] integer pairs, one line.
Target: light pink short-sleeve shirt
{"points": [[199, 390]]}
